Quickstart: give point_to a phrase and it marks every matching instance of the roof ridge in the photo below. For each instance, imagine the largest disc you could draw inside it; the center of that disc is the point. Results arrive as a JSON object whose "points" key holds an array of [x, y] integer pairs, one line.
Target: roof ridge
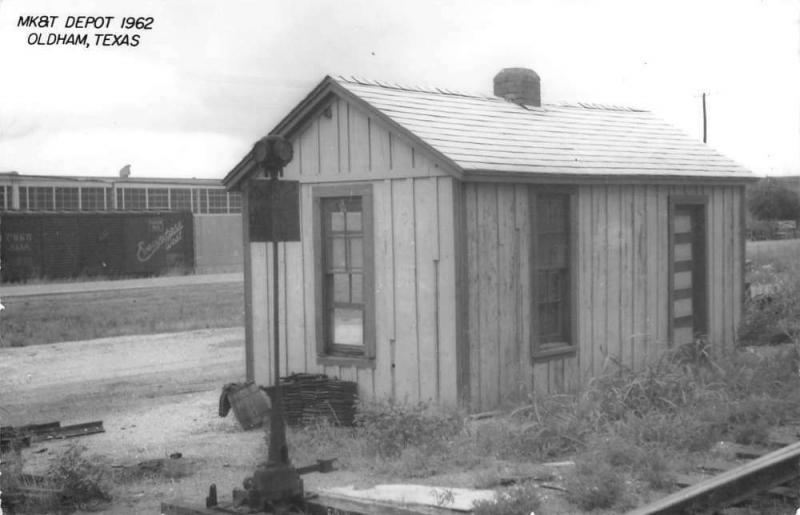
{"points": [[598, 106], [404, 87], [353, 79]]}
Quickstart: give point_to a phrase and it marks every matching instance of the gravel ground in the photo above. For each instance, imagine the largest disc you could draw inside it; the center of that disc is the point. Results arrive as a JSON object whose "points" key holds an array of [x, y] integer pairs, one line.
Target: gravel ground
{"points": [[156, 395]]}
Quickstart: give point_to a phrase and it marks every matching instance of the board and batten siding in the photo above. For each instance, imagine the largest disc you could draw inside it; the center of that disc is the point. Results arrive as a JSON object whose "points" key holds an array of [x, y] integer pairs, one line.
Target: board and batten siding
{"points": [[622, 283], [414, 263]]}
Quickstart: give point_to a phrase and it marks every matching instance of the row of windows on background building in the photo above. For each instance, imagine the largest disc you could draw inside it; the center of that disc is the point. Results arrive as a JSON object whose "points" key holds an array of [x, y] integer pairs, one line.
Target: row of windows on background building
{"points": [[49, 198]]}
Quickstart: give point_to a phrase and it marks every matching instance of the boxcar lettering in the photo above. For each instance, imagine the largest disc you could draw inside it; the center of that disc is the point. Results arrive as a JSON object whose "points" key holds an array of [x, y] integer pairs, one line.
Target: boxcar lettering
{"points": [[171, 237]]}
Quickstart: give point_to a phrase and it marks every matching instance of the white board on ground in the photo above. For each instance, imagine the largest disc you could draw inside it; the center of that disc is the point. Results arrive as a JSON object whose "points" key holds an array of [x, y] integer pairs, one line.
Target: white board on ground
{"points": [[458, 499]]}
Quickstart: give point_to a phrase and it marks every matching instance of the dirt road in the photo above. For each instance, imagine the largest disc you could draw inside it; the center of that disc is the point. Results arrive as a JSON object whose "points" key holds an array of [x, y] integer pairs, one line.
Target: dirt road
{"points": [[18, 290], [156, 395], [78, 381]]}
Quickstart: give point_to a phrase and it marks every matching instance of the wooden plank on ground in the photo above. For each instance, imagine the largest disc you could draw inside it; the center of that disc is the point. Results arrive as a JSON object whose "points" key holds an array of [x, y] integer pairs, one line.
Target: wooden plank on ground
{"points": [[731, 487]]}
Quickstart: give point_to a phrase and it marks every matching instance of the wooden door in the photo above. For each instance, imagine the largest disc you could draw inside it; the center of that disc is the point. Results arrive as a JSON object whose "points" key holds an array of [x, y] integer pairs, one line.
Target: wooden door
{"points": [[688, 313]]}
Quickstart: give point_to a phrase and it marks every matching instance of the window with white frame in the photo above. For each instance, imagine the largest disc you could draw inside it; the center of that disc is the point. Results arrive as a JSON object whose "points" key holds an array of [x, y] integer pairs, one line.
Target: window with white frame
{"points": [[217, 201], [180, 199], [157, 199], [66, 198], [235, 202], [40, 198], [93, 199], [135, 199], [345, 273]]}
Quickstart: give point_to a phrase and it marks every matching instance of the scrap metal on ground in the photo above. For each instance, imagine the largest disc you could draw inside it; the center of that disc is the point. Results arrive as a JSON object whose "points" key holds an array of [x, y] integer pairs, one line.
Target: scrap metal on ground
{"points": [[24, 436]]}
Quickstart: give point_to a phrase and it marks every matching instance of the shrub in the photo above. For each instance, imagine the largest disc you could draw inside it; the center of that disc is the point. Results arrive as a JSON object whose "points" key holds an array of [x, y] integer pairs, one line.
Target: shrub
{"points": [[549, 427], [595, 484], [772, 314], [389, 428], [665, 386], [518, 500], [321, 439], [770, 200], [653, 468], [82, 481]]}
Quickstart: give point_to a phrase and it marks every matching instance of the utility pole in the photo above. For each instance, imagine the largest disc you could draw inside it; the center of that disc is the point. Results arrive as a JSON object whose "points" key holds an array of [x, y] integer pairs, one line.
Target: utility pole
{"points": [[705, 122]]}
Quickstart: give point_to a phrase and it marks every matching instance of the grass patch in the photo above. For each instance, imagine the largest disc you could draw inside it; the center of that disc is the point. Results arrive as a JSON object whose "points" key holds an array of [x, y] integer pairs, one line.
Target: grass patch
{"points": [[628, 432], [82, 316], [596, 484], [390, 429], [522, 499], [72, 482], [639, 418]]}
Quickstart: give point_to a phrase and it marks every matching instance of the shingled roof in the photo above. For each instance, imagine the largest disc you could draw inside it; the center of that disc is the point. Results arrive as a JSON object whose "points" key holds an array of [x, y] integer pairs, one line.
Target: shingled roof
{"points": [[482, 135]]}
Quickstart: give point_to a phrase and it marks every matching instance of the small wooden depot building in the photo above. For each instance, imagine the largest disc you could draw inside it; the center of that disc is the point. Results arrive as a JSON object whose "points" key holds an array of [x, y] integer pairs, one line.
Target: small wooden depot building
{"points": [[467, 249]]}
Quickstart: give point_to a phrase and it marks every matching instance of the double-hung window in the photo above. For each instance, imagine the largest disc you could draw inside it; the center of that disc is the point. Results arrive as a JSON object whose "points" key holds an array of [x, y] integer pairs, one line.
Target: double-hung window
{"points": [[345, 274], [552, 273]]}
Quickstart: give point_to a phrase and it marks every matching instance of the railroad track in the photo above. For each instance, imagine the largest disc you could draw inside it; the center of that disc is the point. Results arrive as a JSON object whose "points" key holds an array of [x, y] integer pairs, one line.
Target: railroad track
{"points": [[717, 486]]}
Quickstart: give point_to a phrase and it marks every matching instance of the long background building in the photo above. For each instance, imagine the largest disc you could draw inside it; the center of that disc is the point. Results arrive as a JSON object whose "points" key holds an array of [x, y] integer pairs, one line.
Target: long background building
{"points": [[84, 223]]}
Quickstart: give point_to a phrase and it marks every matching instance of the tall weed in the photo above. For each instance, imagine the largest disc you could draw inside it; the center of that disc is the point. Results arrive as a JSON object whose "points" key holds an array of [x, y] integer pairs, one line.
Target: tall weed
{"points": [[389, 428]]}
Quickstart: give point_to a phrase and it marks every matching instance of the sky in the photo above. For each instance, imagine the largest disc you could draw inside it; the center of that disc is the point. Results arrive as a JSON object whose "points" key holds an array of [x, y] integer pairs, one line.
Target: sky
{"points": [[209, 78]]}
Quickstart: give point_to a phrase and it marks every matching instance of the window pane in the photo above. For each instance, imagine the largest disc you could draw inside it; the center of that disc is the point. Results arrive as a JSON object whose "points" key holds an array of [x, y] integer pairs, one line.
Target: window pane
{"points": [[180, 199], [135, 199], [555, 285], [93, 199], [358, 288], [337, 260], [348, 326], [157, 199], [337, 221], [353, 221], [217, 201], [66, 199], [341, 287], [200, 200], [40, 198], [356, 253], [548, 319], [236, 202]]}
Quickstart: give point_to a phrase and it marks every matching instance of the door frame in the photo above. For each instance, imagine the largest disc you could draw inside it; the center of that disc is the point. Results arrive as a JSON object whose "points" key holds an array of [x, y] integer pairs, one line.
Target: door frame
{"points": [[675, 201]]}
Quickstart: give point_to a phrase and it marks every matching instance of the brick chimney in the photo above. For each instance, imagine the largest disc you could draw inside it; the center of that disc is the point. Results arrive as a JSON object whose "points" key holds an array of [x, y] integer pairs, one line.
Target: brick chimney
{"points": [[518, 85]]}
